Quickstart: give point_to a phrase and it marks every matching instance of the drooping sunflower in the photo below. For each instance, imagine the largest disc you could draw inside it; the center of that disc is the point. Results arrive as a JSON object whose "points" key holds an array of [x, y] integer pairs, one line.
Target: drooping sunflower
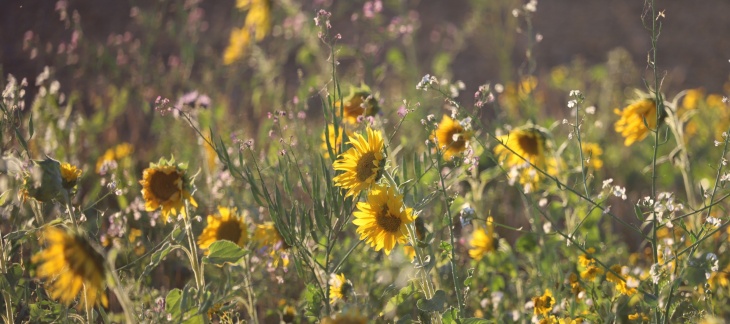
{"points": [[530, 146], [267, 237], [362, 164], [482, 241], [339, 288], [451, 137], [544, 304], [257, 25], [359, 103], [226, 225], [382, 219], [631, 124], [71, 264], [166, 186], [70, 174]]}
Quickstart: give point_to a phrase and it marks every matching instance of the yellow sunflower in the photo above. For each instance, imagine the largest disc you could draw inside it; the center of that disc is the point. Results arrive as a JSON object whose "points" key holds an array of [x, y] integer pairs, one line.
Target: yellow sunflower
{"points": [[257, 25], [544, 304], [592, 154], [587, 259], [360, 102], [114, 155], [482, 241], [268, 237], [529, 145], [621, 286], [70, 175], [451, 137], [339, 288], [631, 124], [362, 164], [382, 219], [166, 186], [71, 263], [591, 272], [226, 225]]}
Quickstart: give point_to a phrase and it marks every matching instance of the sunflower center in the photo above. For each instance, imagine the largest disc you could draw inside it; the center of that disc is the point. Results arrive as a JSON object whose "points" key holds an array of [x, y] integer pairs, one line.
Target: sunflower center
{"points": [[365, 166], [82, 259], [388, 222], [163, 186], [529, 144], [229, 230]]}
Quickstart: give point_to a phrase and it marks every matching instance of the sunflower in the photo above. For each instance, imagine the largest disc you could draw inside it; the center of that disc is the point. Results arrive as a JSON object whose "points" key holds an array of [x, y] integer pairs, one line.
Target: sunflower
{"points": [[451, 137], [591, 272], [529, 145], [544, 304], [113, 155], [621, 286], [267, 237], [71, 263], [587, 258], [360, 102], [362, 163], [631, 124], [482, 241], [256, 24], [226, 225], [382, 219], [70, 175], [592, 154], [339, 288], [166, 186]]}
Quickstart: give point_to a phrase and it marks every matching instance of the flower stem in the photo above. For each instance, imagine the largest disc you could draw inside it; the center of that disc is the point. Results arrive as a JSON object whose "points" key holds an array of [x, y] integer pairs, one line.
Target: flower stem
{"points": [[451, 233]]}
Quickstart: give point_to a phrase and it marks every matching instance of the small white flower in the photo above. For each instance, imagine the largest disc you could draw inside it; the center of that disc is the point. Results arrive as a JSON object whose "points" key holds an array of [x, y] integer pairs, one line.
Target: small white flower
{"points": [[717, 143], [716, 222], [572, 103], [607, 183]]}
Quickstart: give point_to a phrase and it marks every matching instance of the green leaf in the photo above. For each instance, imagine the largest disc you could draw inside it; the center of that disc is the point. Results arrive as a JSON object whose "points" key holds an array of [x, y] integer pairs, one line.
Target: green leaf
{"points": [[157, 257], [435, 304], [450, 316], [172, 302], [222, 252]]}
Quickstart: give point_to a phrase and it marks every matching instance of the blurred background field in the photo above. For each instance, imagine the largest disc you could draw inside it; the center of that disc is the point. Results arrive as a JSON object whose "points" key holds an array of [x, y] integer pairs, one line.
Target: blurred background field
{"points": [[98, 73]]}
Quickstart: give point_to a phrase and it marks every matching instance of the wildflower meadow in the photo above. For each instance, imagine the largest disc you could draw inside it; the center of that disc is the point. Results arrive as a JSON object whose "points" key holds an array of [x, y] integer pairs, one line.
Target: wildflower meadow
{"points": [[282, 161]]}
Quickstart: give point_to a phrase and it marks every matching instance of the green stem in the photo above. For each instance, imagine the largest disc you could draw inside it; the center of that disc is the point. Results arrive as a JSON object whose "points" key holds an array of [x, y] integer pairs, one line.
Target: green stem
{"points": [[194, 262], [447, 205]]}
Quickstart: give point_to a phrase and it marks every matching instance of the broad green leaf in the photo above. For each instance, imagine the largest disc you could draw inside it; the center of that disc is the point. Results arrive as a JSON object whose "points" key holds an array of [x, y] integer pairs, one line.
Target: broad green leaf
{"points": [[172, 302], [435, 304], [222, 252]]}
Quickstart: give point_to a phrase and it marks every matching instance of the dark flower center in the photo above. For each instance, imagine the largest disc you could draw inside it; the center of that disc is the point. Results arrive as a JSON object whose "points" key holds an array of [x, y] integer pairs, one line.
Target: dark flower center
{"points": [[365, 166], [387, 221], [529, 144], [163, 186], [82, 259], [229, 230]]}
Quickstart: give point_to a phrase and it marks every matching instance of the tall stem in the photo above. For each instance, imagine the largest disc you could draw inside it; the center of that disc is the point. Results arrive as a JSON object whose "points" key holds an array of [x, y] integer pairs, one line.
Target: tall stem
{"points": [[451, 232], [194, 262]]}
